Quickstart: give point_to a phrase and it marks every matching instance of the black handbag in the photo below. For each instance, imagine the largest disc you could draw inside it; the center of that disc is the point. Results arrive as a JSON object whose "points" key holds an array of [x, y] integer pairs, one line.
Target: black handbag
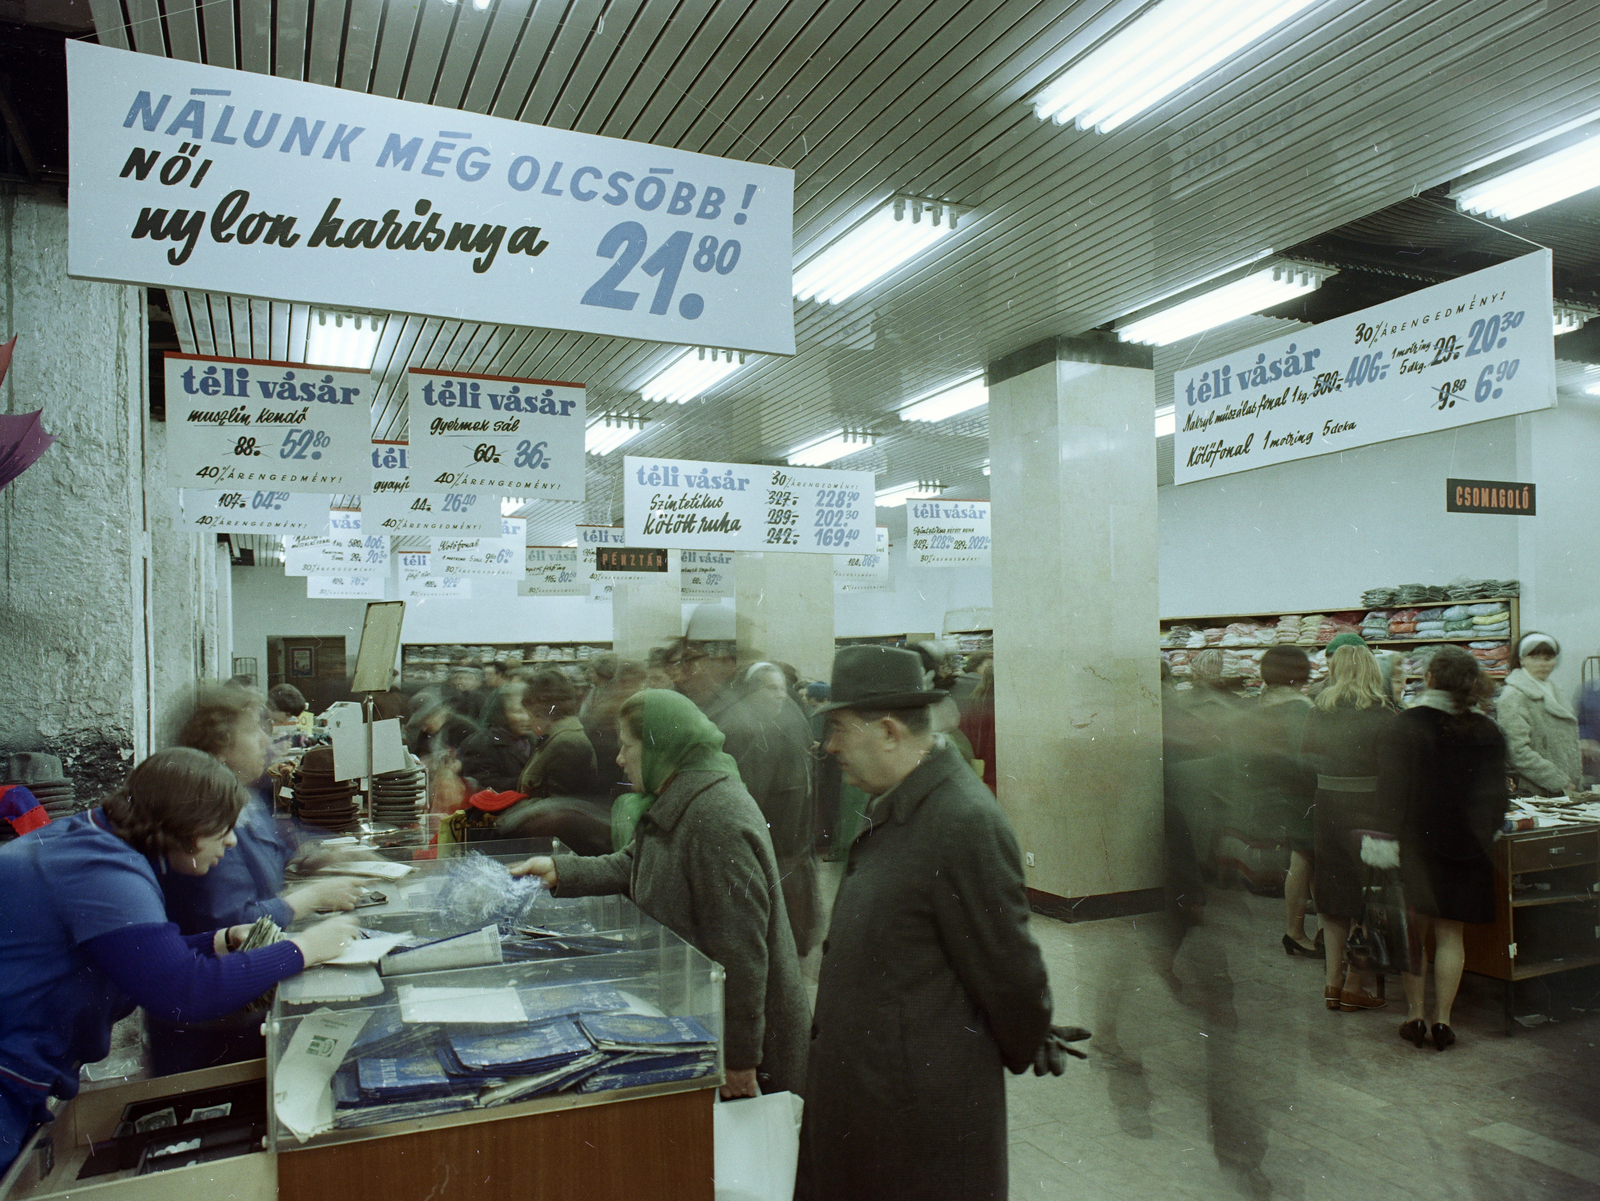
{"points": [[1380, 938]]}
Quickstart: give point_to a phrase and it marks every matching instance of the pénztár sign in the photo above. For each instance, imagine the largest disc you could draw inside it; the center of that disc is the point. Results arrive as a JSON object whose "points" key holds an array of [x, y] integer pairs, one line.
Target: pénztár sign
{"points": [[200, 177], [1469, 350]]}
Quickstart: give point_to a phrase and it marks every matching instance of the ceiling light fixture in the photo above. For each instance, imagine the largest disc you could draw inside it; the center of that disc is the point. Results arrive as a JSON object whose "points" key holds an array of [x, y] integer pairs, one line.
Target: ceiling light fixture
{"points": [[693, 372], [611, 431], [1567, 318], [1166, 420], [1544, 181], [893, 498], [343, 339], [1170, 45], [960, 397], [899, 231], [1259, 290], [829, 449]]}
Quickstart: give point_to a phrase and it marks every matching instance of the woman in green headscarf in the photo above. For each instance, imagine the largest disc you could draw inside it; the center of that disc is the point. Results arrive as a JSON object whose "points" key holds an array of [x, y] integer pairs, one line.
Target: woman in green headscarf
{"points": [[694, 854]]}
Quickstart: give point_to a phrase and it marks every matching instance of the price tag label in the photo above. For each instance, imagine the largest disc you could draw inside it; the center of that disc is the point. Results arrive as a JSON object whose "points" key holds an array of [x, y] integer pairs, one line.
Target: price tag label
{"points": [[238, 424], [393, 507], [417, 581], [868, 565], [508, 437], [345, 587], [253, 512], [553, 571], [706, 574], [741, 506], [948, 533], [503, 557], [591, 537]]}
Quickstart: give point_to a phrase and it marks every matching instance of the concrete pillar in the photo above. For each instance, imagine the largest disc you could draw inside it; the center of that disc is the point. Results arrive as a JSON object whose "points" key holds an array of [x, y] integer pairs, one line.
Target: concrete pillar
{"points": [[784, 610], [73, 586], [1077, 680], [646, 614]]}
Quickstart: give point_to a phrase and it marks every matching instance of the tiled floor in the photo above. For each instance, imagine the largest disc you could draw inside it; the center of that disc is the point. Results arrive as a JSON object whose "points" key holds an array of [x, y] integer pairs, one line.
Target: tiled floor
{"points": [[1225, 1077]]}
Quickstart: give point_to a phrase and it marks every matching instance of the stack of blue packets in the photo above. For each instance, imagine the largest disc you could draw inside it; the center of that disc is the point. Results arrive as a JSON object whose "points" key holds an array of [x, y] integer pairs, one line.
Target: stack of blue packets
{"points": [[569, 1000], [647, 1050], [414, 1078], [526, 1051]]}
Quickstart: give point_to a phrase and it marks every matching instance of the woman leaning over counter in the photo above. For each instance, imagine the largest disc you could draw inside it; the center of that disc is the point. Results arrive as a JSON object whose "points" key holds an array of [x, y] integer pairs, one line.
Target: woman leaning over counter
{"points": [[84, 934], [696, 856]]}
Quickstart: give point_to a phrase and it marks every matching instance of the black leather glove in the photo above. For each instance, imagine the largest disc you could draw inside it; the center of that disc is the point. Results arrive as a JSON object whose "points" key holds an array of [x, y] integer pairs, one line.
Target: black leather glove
{"points": [[1050, 1058]]}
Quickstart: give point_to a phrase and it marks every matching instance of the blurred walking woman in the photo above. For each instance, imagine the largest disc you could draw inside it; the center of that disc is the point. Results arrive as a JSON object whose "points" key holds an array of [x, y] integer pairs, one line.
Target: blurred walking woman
{"points": [[84, 935], [1447, 778], [696, 856], [1345, 736]]}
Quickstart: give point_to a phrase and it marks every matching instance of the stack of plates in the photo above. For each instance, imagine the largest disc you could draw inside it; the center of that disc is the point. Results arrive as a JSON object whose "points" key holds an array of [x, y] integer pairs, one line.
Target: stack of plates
{"points": [[320, 801], [399, 796]]}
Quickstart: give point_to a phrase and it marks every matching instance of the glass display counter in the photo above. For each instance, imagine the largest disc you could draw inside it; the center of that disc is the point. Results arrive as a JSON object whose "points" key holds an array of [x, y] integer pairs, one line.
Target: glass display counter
{"points": [[474, 1005]]}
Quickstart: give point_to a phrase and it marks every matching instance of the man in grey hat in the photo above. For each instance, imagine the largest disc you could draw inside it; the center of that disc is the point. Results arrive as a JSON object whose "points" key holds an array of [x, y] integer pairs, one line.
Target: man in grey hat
{"points": [[930, 978]]}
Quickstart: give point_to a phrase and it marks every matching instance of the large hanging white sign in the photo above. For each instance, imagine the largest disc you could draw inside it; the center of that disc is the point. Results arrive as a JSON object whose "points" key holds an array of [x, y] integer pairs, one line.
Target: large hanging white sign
{"points": [[706, 575], [394, 508], [742, 506], [285, 427], [590, 539], [948, 533], [254, 512], [553, 571], [870, 565], [190, 176], [501, 557], [345, 587], [481, 433], [1473, 349]]}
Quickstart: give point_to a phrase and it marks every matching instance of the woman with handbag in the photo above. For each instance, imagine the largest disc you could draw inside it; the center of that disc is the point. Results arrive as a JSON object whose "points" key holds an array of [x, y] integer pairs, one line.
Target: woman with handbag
{"points": [[1345, 735], [1447, 777]]}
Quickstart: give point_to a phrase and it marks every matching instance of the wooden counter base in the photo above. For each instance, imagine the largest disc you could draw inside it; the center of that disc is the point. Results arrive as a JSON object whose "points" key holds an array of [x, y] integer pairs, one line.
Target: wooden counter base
{"points": [[649, 1149]]}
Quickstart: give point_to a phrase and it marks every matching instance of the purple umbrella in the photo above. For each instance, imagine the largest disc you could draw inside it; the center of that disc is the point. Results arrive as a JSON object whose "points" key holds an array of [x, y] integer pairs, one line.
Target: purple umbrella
{"points": [[22, 435]]}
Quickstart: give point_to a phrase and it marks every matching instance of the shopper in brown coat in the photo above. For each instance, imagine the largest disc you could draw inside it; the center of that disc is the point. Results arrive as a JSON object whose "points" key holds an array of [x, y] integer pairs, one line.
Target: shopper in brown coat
{"points": [[931, 981], [696, 857]]}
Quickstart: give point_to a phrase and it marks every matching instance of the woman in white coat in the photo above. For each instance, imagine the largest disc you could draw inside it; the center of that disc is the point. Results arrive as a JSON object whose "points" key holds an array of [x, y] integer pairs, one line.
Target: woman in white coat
{"points": [[1541, 730]]}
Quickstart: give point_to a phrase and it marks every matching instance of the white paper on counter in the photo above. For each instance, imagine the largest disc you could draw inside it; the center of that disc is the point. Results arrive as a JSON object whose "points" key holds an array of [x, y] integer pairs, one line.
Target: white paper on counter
{"points": [[302, 1093], [461, 1006], [368, 950], [325, 983], [379, 869]]}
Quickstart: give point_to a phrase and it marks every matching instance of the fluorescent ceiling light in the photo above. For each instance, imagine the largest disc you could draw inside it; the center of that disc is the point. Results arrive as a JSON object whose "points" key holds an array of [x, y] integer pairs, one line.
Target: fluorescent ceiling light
{"points": [[1166, 420], [1566, 318], [835, 446], [510, 504], [1259, 290], [957, 398], [604, 436], [893, 498], [899, 231], [1534, 185], [343, 339], [986, 468], [695, 371], [1147, 60]]}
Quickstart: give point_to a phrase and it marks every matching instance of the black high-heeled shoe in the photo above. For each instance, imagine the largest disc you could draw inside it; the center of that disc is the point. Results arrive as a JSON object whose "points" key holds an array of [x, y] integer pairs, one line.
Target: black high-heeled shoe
{"points": [[1443, 1036], [1292, 948], [1415, 1032]]}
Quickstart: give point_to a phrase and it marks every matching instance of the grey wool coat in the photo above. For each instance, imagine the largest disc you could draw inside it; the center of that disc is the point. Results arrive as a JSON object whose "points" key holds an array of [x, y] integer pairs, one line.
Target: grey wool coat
{"points": [[931, 985], [701, 864]]}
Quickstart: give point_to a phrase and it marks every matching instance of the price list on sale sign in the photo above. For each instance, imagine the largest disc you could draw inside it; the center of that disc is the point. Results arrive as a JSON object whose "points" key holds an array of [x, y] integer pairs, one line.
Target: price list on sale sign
{"points": [[507, 437], [501, 557], [553, 571], [238, 424], [395, 508], [742, 506], [417, 581], [345, 587], [948, 533], [345, 548], [254, 512]]}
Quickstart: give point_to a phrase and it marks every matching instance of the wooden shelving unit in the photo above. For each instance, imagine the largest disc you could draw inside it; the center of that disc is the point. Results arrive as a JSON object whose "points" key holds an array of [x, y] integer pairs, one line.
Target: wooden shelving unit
{"points": [[1539, 932], [429, 663]]}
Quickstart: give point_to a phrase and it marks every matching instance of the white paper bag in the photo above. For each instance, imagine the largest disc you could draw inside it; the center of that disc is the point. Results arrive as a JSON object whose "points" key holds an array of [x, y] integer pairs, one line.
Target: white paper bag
{"points": [[758, 1147]]}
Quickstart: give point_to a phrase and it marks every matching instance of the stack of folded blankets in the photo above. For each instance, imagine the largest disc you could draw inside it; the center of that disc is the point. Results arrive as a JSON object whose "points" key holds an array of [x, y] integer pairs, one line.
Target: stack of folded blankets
{"points": [[1420, 594], [1334, 625], [1490, 620], [1289, 628], [1249, 633], [1469, 590], [1429, 624], [1375, 626], [1183, 636], [1375, 598], [1310, 625], [1493, 657]]}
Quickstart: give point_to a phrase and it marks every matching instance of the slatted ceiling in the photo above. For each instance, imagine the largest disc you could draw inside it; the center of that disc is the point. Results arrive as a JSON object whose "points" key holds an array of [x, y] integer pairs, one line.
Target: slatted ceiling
{"points": [[218, 20], [352, 67]]}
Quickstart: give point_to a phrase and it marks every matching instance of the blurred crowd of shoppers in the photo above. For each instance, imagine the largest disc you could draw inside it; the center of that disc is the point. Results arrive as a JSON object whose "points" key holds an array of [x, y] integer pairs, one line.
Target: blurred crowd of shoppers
{"points": [[1362, 792]]}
